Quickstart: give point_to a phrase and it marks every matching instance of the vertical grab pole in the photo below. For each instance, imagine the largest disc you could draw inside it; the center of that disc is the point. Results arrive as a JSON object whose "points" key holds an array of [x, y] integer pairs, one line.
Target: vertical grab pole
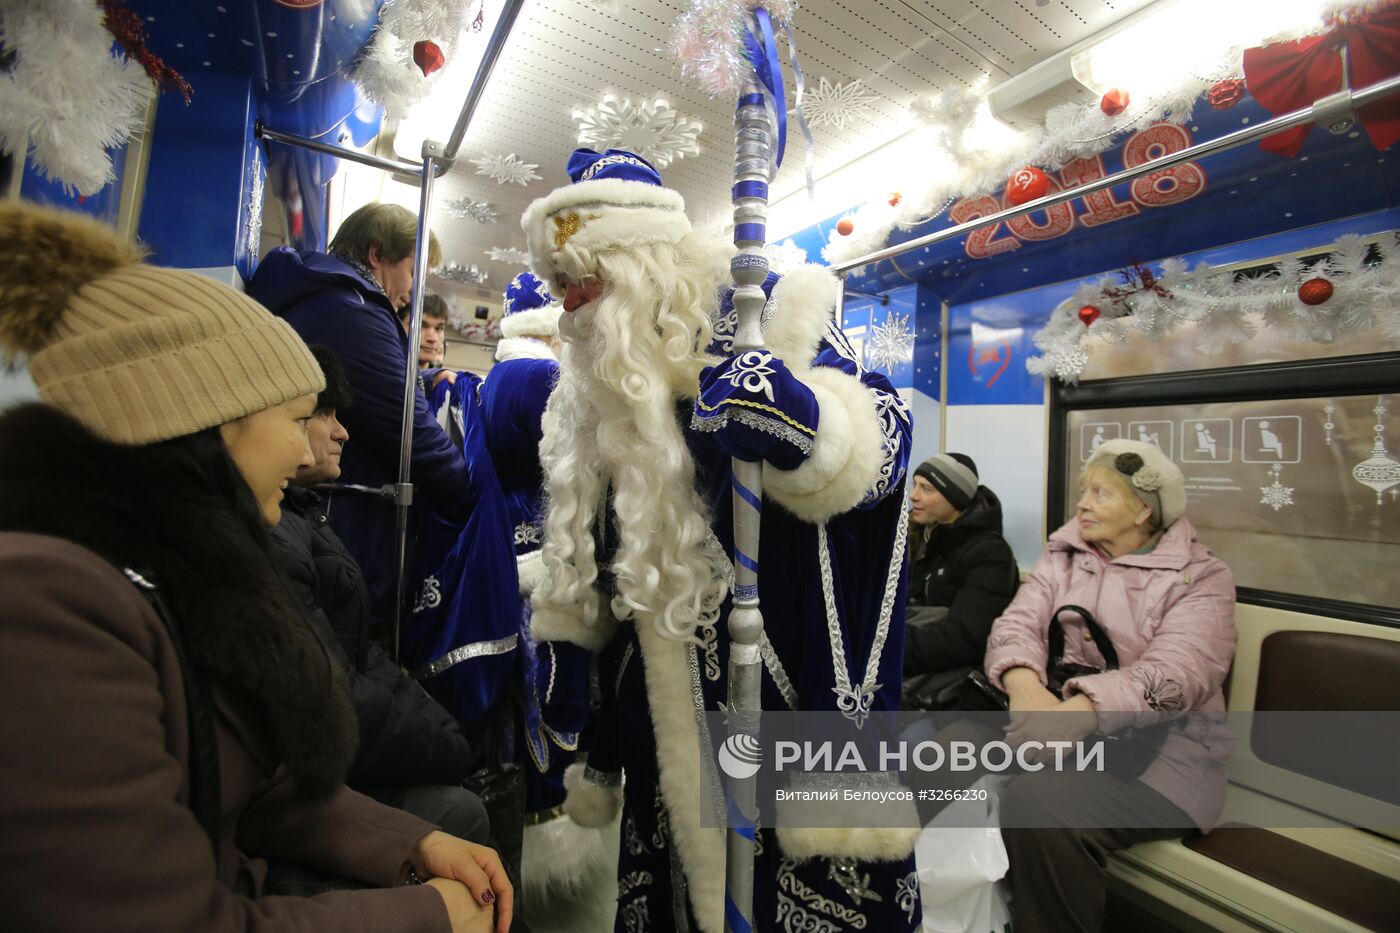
{"points": [[403, 490], [749, 267]]}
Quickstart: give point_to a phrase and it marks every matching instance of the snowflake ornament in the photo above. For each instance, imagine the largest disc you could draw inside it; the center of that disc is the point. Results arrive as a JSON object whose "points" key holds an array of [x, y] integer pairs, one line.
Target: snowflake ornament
{"points": [[465, 275], [507, 169], [508, 254], [652, 129], [1276, 495], [837, 104], [469, 209], [890, 343]]}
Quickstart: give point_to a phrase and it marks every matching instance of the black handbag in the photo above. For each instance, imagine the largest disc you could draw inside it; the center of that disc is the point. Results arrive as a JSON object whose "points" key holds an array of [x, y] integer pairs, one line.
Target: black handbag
{"points": [[1127, 752]]}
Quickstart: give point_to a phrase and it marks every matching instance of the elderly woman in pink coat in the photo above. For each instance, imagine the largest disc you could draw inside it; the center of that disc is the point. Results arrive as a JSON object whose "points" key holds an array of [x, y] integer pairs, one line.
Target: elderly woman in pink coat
{"points": [[1130, 558]]}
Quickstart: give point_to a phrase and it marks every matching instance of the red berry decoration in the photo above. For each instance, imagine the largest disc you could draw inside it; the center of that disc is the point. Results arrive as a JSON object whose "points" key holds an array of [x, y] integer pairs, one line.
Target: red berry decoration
{"points": [[844, 226], [427, 56], [1225, 94], [1114, 102], [1089, 314], [1028, 184], [894, 198], [1315, 291]]}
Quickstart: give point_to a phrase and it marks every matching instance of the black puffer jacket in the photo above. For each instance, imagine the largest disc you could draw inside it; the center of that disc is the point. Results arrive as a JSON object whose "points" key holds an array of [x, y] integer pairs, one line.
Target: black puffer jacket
{"points": [[406, 737], [968, 567]]}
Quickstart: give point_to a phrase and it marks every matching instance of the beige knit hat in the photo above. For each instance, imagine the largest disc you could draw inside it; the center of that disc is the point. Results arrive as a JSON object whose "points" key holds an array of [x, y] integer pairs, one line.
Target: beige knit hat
{"points": [[137, 353]]}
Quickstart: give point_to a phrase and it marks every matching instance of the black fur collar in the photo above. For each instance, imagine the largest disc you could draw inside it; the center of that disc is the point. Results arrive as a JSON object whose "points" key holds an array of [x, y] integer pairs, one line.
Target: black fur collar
{"points": [[239, 624]]}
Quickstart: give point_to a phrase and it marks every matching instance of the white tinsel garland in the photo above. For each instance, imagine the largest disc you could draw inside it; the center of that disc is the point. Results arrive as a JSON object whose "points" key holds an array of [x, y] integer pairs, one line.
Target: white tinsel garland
{"points": [[386, 72], [67, 96], [1071, 131], [1226, 309]]}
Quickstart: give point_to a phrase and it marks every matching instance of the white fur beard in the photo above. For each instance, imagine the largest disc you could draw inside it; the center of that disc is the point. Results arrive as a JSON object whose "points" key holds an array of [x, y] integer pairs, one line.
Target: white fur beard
{"points": [[663, 571]]}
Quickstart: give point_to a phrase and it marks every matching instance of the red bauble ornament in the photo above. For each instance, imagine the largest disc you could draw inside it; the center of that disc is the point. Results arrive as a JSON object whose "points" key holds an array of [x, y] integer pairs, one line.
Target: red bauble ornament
{"points": [[894, 198], [1088, 315], [844, 226], [1114, 102], [427, 56], [1026, 185], [1315, 291], [1225, 94]]}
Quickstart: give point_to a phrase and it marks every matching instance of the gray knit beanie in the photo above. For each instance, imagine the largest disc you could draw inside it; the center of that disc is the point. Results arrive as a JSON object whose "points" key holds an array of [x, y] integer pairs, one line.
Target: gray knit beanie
{"points": [[953, 475]]}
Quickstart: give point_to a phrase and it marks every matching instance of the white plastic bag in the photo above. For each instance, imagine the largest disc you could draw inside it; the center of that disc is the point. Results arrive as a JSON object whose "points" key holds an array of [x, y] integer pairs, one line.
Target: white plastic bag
{"points": [[961, 867]]}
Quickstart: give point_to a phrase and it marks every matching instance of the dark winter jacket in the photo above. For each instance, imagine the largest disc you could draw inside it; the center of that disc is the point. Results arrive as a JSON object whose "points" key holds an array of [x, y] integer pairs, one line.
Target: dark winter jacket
{"points": [[968, 567], [406, 737], [95, 773], [331, 304]]}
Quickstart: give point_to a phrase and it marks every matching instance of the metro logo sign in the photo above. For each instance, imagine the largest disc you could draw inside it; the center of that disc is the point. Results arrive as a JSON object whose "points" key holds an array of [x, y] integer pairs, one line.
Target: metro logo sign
{"points": [[1158, 189]]}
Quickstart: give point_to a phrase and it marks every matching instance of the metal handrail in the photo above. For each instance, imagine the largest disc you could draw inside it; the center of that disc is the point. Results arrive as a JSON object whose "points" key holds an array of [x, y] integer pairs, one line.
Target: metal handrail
{"points": [[489, 57], [1326, 109], [350, 155]]}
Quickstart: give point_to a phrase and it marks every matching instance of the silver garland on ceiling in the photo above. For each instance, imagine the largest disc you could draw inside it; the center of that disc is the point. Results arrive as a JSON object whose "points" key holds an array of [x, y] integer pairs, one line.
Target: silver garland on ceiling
{"points": [[466, 275], [482, 212]]}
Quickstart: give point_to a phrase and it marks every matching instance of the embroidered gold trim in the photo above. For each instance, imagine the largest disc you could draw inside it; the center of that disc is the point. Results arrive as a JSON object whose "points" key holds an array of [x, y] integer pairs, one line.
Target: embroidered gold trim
{"points": [[745, 403]]}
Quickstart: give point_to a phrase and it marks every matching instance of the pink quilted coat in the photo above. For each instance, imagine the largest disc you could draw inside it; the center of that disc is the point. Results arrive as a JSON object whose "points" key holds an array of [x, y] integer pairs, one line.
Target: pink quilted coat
{"points": [[1171, 616]]}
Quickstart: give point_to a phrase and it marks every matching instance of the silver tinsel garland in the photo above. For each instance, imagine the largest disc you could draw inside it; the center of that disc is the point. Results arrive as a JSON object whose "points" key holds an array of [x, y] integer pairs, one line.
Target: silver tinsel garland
{"points": [[1226, 309], [482, 212]]}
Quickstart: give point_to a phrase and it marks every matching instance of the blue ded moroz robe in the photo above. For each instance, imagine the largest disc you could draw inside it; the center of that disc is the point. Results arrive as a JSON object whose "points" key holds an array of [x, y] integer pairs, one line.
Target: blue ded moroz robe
{"points": [[671, 869], [462, 636]]}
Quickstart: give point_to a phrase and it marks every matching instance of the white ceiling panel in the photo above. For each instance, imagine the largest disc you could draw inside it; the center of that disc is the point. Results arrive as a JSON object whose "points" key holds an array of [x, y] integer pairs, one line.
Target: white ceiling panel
{"points": [[564, 56]]}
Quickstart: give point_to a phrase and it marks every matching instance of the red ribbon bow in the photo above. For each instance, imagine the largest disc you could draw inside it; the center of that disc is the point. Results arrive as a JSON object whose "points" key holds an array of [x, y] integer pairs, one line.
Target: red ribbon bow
{"points": [[1292, 75]]}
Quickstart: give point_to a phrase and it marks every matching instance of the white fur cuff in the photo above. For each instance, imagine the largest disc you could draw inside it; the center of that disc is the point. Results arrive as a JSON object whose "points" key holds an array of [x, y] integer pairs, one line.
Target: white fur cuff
{"points": [[806, 302], [589, 804], [846, 455], [560, 855], [530, 569], [556, 623]]}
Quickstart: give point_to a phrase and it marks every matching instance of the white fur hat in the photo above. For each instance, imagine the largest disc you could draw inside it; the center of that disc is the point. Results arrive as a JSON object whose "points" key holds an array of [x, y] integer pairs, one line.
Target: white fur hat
{"points": [[616, 202], [530, 310], [1154, 478]]}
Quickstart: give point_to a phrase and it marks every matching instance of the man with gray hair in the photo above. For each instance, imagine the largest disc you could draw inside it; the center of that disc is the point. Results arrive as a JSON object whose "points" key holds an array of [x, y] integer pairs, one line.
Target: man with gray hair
{"points": [[962, 575]]}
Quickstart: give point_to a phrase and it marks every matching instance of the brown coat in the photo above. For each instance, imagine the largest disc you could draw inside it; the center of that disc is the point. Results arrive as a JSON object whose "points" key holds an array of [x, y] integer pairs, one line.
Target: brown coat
{"points": [[93, 780]]}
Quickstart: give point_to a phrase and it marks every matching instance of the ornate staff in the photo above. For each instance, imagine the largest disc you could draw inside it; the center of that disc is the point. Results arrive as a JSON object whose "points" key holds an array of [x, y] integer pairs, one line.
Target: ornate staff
{"points": [[749, 267]]}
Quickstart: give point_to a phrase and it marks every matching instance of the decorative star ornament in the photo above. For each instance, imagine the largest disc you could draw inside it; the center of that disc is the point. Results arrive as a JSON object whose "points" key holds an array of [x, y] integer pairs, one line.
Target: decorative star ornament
{"points": [[507, 169], [837, 104], [890, 343], [653, 129]]}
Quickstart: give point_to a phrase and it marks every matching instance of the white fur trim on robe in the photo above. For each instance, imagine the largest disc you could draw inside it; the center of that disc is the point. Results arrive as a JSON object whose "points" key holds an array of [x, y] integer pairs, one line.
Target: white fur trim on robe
{"points": [[684, 776], [806, 301], [536, 322], [846, 455], [869, 837]]}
